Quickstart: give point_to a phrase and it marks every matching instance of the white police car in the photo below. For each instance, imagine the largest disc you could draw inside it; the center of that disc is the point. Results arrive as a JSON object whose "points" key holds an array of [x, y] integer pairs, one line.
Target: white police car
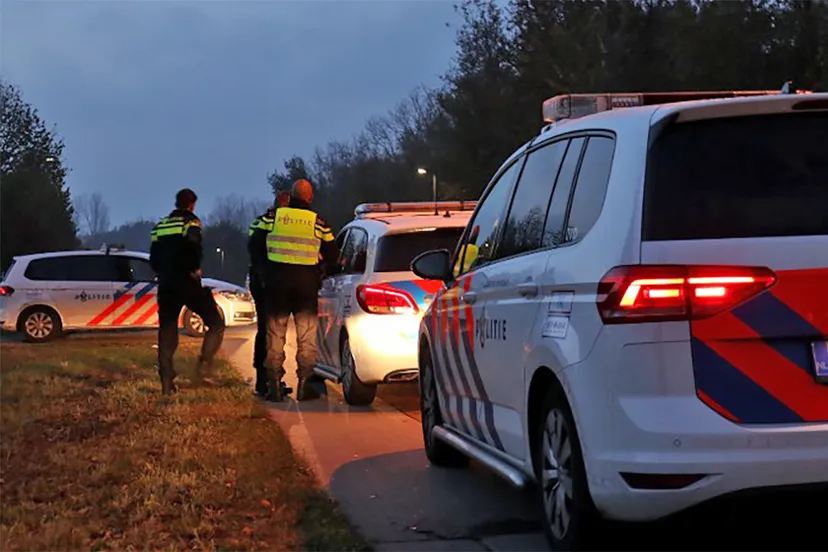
{"points": [[369, 313], [43, 294], [645, 325]]}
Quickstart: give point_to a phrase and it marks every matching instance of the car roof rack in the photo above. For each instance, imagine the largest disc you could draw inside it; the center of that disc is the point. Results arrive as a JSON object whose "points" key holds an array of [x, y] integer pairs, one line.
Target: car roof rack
{"points": [[573, 106], [379, 211], [107, 249]]}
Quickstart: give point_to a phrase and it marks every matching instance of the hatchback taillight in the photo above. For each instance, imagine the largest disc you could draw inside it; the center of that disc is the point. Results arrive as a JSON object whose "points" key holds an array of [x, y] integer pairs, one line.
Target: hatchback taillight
{"points": [[655, 293], [6, 291], [376, 299]]}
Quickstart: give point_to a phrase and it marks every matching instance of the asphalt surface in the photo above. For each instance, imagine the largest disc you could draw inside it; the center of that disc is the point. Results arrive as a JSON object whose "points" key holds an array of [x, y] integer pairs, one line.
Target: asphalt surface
{"points": [[372, 461]]}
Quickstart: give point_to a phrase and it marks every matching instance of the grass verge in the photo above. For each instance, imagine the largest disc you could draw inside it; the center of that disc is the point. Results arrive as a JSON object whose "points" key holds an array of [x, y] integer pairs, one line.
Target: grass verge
{"points": [[93, 458]]}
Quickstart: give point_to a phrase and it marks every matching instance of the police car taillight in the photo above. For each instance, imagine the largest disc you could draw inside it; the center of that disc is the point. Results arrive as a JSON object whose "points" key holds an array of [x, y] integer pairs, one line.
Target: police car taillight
{"points": [[381, 300], [669, 292], [6, 291]]}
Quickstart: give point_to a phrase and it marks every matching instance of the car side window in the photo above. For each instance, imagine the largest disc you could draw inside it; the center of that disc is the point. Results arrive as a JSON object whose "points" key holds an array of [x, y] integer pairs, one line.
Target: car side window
{"points": [[53, 268], [355, 251], [100, 268], [590, 187], [523, 231], [141, 271], [480, 239], [75, 268], [553, 232]]}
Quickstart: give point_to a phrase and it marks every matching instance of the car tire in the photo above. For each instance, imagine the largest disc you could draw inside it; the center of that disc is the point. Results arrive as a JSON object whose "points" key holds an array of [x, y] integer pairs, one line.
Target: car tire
{"points": [[570, 519], [193, 324], [356, 393], [439, 453], [39, 324]]}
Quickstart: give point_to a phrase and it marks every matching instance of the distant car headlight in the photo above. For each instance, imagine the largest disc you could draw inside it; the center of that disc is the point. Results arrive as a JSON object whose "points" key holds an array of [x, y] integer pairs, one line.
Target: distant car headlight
{"points": [[236, 295]]}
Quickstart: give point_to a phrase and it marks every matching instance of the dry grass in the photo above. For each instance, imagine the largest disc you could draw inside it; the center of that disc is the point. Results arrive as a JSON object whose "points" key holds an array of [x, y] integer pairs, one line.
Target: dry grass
{"points": [[92, 458]]}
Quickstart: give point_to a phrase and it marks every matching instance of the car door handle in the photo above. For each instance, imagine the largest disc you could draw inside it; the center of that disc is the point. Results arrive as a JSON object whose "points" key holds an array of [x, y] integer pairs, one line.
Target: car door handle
{"points": [[469, 297], [528, 289]]}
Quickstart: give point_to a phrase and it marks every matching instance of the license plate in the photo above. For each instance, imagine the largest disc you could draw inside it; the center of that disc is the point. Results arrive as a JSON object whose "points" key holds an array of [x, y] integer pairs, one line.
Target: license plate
{"points": [[820, 349]]}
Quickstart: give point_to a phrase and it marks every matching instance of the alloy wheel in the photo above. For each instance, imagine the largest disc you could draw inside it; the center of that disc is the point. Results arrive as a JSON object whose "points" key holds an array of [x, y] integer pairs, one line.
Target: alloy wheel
{"points": [[39, 325], [196, 323], [428, 403], [556, 474]]}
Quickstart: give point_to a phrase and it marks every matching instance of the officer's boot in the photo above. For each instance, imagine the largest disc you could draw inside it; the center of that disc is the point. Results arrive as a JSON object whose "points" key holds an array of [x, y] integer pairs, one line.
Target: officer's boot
{"points": [[202, 373], [275, 391], [308, 389], [261, 382], [168, 387]]}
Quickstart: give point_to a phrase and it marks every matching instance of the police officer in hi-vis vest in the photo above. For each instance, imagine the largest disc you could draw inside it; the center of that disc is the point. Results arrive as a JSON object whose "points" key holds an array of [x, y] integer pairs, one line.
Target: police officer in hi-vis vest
{"points": [[176, 255], [299, 241], [257, 235]]}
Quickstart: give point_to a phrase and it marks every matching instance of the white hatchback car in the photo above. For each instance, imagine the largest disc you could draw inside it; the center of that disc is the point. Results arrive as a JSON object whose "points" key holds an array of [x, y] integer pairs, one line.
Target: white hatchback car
{"points": [[645, 325], [369, 313], [44, 294]]}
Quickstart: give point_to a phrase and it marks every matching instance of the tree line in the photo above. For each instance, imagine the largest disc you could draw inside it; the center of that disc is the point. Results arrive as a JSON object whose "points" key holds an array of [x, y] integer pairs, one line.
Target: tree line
{"points": [[510, 58]]}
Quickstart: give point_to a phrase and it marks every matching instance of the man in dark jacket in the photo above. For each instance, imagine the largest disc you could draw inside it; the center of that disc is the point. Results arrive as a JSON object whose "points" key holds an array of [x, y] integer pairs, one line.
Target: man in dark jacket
{"points": [[257, 235], [299, 241], [176, 255]]}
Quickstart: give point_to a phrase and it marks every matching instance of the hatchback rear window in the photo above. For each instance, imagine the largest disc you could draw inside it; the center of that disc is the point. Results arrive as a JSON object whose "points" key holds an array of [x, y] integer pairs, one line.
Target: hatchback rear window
{"points": [[740, 177], [396, 251]]}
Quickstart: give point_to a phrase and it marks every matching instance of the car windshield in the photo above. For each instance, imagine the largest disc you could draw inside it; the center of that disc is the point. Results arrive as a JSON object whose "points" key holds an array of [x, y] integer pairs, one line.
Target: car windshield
{"points": [[755, 176], [396, 251]]}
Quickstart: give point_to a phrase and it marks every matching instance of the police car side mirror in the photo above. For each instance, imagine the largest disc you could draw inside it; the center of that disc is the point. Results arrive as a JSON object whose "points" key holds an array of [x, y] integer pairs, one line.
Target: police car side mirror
{"points": [[433, 265]]}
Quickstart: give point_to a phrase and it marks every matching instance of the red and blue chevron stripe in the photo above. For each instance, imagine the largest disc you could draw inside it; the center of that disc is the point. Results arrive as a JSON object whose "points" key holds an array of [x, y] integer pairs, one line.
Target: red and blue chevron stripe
{"points": [[755, 363]]}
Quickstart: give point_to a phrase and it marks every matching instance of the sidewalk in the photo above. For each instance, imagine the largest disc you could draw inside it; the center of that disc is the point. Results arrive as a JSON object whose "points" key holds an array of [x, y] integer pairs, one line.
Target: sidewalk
{"points": [[371, 459]]}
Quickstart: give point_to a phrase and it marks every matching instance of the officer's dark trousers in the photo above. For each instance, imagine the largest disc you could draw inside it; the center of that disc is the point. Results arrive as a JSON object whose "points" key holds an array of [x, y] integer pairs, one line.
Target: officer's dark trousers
{"points": [[257, 289], [171, 298], [291, 290]]}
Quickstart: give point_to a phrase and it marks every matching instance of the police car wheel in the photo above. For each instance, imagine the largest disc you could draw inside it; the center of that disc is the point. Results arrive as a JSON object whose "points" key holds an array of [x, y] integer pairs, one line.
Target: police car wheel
{"points": [[193, 324], [438, 452], [356, 393], [570, 519], [39, 324]]}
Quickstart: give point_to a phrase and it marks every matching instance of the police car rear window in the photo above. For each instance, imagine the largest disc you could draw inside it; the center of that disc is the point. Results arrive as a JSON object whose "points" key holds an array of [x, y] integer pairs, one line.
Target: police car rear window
{"points": [[396, 251], [741, 177]]}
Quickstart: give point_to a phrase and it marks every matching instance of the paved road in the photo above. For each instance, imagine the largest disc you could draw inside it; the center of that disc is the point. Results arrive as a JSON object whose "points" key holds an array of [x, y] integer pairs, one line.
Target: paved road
{"points": [[372, 460]]}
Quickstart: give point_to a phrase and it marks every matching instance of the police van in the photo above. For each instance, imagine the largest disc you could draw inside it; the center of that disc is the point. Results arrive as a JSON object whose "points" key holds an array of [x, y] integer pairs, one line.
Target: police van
{"points": [[370, 309], [45, 294], [644, 326]]}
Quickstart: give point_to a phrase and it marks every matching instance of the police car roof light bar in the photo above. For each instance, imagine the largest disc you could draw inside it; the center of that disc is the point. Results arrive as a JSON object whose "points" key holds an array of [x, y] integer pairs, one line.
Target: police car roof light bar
{"points": [[574, 106], [365, 210]]}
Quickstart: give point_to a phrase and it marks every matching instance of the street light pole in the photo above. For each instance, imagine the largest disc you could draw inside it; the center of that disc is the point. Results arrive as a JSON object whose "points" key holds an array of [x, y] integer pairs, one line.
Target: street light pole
{"points": [[221, 252], [421, 171], [434, 190]]}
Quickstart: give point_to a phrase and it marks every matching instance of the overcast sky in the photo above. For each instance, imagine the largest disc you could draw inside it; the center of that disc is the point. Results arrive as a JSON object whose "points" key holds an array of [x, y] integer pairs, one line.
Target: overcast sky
{"points": [[151, 96]]}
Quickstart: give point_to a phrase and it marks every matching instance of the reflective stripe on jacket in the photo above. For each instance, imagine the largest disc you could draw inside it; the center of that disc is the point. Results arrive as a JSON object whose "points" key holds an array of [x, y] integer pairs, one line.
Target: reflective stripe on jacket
{"points": [[173, 226], [262, 222], [295, 237]]}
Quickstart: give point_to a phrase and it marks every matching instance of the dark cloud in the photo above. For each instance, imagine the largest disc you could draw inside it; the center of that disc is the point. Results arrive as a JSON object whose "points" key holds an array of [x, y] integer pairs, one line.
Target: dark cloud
{"points": [[154, 95]]}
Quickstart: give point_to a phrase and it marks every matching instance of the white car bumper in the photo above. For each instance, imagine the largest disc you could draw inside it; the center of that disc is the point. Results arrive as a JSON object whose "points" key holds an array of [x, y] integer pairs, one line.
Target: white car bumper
{"points": [[384, 346]]}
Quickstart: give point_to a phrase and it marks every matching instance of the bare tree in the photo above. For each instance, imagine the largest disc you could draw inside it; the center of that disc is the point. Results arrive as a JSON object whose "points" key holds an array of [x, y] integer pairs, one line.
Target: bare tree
{"points": [[236, 211], [91, 214]]}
